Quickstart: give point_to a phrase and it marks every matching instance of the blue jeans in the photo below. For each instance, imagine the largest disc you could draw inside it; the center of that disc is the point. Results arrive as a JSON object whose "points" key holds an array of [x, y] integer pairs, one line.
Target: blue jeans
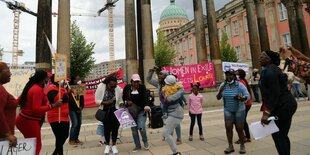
{"points": [[140, 120], [76, 122], [178, 131]]}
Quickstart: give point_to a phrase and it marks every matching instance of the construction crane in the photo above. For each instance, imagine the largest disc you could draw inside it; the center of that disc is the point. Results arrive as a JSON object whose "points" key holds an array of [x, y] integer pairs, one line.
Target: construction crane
{"points": [[110, 5], [17, 8]]}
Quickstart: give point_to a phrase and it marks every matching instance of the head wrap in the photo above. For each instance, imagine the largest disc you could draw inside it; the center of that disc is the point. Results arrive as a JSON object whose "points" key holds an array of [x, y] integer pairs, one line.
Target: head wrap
{"points": [[274, 56]]}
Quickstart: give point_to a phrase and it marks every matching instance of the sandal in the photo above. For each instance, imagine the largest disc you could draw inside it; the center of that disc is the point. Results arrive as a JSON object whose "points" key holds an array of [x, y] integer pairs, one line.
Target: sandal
{"points": [[190, 138]]}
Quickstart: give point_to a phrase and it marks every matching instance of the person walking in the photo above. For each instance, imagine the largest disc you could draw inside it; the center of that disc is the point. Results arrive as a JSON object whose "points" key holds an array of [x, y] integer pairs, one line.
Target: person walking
{"points": [[195, 106], [8, 105], [234, 95], [240, 74], [254, 78], [34, 104], [277, 100], [135, 97], [175, 111], [76, 105], [58, 117], [109, 96], [296, 87]]}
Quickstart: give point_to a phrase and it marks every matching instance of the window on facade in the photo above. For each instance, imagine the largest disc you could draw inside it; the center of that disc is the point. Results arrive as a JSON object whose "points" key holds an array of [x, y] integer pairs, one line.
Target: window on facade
{"points": [[286, 38], [180, 47], [190, 43], [238, 52], [185, 45], [236, 30], [227, 30], [207, 39], [282, 12], [219, 34], [246, 24]]}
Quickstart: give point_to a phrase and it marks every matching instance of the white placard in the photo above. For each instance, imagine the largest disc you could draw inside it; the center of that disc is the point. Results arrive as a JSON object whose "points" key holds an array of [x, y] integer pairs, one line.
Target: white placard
{"points": [[60, 67], [259, 131], [23, 147], [235, 66]]}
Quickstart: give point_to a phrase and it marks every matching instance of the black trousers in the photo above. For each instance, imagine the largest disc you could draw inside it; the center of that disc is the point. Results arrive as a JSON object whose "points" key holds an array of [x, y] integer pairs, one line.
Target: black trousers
{"points": [[281, 139], [246, 126], [111, 126], [193, 119], [61, 132]]}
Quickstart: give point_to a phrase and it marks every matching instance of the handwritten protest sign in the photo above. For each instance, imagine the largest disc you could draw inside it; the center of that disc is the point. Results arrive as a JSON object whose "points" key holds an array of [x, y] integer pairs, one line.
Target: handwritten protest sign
{"points": [[187, 74], [60, 67], [235, 66], [23, 147], [79, 89], [124, 118], [18, 81]]}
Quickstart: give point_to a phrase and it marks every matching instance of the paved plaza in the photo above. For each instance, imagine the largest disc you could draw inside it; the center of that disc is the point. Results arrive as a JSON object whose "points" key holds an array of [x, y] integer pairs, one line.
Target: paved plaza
{"points": [[214, 132]]}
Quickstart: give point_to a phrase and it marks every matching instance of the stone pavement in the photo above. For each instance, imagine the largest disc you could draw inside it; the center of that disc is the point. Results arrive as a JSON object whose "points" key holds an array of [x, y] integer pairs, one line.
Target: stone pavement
{"points": [[214, 132]]}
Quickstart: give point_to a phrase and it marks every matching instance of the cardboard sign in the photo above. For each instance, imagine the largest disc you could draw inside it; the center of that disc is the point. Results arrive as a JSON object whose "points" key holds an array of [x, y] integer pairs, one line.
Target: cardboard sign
{"points": [[124, 118], [187, 74], [78, 89], [60, 67], [23, 147]]}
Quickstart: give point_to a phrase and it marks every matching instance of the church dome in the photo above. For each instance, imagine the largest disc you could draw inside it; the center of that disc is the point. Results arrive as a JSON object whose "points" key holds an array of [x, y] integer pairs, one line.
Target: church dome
{"points": [[173, 11]]}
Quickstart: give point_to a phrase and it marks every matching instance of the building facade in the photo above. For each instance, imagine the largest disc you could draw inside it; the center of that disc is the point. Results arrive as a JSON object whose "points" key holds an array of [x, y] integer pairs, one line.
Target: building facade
{"points": [[104, 68], [232, 20]]}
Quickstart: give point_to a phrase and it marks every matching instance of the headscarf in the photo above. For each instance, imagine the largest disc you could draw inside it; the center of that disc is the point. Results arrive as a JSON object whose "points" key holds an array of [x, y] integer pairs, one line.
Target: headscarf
{"points": [[274, 56]]}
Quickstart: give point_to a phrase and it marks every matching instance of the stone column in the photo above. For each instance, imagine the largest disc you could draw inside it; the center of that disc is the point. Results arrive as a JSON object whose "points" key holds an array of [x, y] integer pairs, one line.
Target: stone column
{"points": [[293, 24], [63, 30], [200, 32], [214, 40], [302, 27], [147, 37], [275, 40], [253, 33], [44, 27], [242, 37], [262, 26], [139, 35], [130, 38]]}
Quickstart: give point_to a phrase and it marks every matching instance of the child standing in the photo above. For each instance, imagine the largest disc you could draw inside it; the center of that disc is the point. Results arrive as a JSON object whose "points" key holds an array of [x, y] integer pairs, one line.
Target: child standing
{"points": [[195, 101]]}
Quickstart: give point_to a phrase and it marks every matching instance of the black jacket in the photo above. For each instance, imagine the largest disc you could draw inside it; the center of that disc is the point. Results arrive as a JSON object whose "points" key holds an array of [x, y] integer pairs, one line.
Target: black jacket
{"points": [[140, 100]]}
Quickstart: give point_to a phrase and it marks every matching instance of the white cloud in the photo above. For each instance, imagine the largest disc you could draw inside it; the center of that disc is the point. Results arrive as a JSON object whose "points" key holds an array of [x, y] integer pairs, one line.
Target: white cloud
{"points": [[94, 29]]}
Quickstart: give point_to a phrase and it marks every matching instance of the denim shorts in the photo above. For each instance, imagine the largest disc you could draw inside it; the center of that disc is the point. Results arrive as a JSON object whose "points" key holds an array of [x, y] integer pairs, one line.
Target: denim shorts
{"points": [[100, 130], [237, 116]]}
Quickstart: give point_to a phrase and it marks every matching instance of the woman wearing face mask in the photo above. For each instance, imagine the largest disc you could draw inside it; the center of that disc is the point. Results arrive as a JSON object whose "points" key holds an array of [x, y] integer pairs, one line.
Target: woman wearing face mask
{"points": [[76, 105], [58, 117], [277, 99], [109, 96], [240, 74], [34, 104], [234, 95]]}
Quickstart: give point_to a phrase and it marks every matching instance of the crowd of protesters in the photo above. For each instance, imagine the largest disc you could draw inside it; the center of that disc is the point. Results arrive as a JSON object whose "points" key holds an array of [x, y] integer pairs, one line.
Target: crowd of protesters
{"points": [[44, 95]]}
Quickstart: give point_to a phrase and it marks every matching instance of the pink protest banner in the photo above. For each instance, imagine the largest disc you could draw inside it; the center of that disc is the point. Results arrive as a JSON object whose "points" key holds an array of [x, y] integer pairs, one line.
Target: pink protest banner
{"points": [[187, 74], [124, 118], [91, 86]]}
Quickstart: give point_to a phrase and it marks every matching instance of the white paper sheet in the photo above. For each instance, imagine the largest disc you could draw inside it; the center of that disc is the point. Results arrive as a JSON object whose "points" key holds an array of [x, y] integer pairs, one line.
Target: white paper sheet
{"points": [[259, 131]]}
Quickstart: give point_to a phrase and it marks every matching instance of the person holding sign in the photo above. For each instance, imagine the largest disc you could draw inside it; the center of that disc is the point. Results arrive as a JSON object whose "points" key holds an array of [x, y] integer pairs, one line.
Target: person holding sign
{"points": [[135, 98], [277, 99], [8, 106], [58, 117], [109, 96], [34, 104], [76, 105]]}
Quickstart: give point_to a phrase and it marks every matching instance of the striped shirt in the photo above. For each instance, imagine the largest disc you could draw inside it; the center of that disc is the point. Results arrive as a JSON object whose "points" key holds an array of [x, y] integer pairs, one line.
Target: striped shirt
{"points": [[231, 104]]}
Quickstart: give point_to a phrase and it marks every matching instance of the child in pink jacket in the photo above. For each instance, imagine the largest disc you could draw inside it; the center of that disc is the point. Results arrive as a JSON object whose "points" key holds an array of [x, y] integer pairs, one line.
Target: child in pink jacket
{"points": [[195, 101]]}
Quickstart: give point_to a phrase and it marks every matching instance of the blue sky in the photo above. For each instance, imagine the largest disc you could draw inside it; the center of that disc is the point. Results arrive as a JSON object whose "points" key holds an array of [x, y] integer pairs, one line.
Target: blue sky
{"points": [[94, 29]]}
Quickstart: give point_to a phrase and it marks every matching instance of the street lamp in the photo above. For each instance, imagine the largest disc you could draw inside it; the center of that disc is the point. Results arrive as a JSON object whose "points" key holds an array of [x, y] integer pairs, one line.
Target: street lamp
{"points": [[181, 59]]}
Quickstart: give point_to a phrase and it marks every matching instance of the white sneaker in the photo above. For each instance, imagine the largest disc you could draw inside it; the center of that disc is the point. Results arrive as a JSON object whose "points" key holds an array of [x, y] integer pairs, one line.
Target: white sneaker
{"points": [[114, 149], [107, 149]]}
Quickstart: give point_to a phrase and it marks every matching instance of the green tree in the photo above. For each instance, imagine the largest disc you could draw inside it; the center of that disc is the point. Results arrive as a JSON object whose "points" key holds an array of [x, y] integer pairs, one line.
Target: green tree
{"points": [[164, 54], [81, 53], [228, 53], [1, 53]]}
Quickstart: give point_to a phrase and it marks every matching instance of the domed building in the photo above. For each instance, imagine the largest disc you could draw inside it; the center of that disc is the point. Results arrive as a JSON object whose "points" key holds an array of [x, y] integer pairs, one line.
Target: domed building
{"points": [[172, 18]]}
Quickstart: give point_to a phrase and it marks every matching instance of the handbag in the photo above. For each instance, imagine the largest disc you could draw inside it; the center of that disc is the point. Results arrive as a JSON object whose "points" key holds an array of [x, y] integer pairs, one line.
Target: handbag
{"points": [[101, 115], [134, 110]]}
